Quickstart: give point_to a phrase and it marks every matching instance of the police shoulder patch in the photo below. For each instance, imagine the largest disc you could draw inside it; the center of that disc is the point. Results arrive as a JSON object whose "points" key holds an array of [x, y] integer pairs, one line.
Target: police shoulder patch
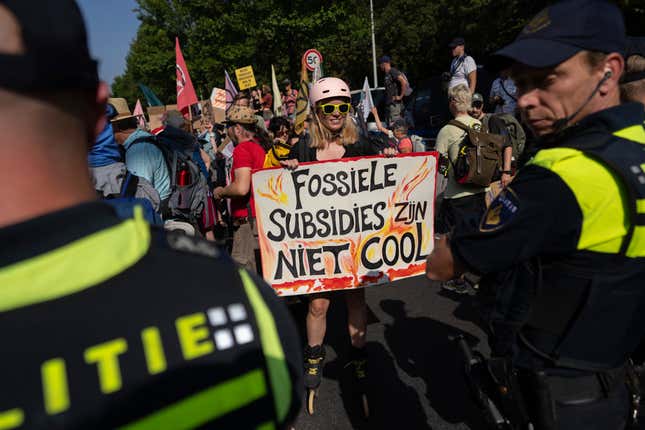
{"points": [[501, 211]]}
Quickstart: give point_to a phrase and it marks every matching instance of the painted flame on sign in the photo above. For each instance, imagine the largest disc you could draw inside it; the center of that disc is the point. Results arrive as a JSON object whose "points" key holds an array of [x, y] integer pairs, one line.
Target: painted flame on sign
{"points": [[275, 191]]}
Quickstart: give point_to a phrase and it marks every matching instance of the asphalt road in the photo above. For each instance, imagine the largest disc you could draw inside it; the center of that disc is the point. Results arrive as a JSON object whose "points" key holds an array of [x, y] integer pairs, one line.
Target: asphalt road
{"points": [[415, 379]]}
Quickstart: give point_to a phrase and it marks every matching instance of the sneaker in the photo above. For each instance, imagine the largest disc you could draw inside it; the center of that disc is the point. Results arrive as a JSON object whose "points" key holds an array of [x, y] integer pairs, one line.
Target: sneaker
{"points": [[457, 286]]}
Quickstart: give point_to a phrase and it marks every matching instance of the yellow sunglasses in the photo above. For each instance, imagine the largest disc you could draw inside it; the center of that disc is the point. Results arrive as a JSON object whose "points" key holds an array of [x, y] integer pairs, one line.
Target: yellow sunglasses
{"points": [[330, 108]]}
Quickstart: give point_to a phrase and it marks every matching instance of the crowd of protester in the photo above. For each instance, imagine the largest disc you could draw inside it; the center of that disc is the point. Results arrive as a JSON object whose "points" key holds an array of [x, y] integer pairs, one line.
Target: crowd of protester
{"points": [[194, 175]]}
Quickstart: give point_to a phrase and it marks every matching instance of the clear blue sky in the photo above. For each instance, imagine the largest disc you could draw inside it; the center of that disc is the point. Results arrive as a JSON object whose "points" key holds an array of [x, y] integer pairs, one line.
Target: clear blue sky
{"points": [[111, 26]]}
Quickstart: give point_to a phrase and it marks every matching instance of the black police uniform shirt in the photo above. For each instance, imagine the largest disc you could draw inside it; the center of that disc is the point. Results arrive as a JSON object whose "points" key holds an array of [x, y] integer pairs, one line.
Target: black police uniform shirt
{"points": [[539, 215], [108, 324]]}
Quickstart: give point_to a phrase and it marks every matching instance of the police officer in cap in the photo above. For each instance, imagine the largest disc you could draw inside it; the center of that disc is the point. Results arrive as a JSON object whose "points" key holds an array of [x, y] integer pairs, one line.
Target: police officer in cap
{"points": [[107, 322], [570, 229]]}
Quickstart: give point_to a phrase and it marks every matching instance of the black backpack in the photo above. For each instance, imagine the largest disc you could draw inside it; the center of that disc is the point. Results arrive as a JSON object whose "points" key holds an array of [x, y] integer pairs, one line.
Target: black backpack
{"points": [[189, 188]]}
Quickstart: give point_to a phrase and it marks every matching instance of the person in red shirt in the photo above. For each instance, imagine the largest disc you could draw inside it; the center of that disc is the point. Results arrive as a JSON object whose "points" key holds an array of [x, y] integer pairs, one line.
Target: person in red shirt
{"points": [[248, 155]]}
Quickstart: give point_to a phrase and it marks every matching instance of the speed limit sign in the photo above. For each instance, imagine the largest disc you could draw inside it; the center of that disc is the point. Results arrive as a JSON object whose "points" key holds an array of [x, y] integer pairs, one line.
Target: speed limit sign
{"points": [[312, 59]]}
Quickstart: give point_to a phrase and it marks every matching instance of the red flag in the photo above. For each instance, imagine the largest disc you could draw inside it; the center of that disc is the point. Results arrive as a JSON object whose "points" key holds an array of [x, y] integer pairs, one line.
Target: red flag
{"points": [[185, 91]]}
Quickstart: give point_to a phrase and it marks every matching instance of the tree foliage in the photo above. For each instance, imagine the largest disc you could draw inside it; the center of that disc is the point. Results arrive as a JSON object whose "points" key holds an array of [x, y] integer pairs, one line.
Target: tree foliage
{"points": [[218, 35]]}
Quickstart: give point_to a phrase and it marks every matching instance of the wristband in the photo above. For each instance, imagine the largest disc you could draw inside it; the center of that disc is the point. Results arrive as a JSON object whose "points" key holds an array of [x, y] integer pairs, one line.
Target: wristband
{"points": [[507, 172]]}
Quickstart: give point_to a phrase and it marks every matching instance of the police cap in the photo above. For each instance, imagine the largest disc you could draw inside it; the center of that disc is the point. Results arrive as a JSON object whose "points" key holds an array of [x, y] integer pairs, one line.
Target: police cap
{"points": [[560, 31]]}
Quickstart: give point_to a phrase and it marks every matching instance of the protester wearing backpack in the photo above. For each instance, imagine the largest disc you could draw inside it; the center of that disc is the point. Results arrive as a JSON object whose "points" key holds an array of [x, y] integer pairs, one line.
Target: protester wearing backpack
{"points": [[113, 182], [191, 199], [462, 203], [143, 159], [248, 155], [502, 124], [396, 88]]}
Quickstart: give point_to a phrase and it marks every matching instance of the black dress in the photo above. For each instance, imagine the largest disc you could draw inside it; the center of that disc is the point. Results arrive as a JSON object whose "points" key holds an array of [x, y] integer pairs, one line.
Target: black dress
{"points": [[302, 152]]}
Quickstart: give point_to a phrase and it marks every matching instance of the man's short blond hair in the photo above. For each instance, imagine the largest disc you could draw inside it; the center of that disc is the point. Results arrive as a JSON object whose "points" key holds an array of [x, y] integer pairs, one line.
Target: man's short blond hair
{"points": [[460, 94], [634, 91]]}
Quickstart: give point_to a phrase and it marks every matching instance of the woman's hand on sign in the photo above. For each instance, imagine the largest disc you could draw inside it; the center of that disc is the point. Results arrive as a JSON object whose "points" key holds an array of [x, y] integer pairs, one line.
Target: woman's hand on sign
{"points": [[289, 164], [390, 152]]}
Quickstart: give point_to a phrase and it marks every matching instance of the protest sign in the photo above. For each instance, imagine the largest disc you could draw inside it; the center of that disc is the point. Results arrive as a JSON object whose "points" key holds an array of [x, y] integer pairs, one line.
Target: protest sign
{"points": [[155, 113], [245, 77], [218, 98], [218, 103], [345, 224]]}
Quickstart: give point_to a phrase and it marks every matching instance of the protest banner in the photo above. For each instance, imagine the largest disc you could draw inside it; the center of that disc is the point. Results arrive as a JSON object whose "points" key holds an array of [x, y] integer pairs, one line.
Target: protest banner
{"points": [[345, 224], [245, 77]]}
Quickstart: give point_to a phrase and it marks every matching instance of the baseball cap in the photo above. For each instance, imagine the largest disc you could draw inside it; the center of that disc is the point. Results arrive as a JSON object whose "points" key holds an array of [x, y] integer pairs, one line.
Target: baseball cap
{"points": [[456, 42], [560, 31], [240, 115], [477, 98], [384, 59], [55, 55]]}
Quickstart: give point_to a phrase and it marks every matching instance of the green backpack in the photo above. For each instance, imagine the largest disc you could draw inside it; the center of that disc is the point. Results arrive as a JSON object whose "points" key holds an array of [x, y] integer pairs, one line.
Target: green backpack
{"points": [[506, 124]]}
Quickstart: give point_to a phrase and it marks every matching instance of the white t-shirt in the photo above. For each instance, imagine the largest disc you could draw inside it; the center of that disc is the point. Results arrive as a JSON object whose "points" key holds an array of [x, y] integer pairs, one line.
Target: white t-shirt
{"points": [[460, 68]]}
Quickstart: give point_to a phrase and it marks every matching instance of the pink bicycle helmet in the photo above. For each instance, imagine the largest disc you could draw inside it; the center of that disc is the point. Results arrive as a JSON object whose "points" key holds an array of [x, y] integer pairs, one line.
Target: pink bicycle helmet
{"points": [[326, 88]]}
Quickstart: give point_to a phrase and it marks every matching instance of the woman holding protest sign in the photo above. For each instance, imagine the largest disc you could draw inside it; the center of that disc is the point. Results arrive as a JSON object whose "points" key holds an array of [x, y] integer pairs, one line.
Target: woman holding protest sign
{"points": [[332, 136]]}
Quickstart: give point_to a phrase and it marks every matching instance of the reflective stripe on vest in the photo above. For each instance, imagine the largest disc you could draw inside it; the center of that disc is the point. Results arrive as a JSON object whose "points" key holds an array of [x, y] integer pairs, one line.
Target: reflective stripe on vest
{"points": [[271, 347], [595, 188], [207, 405], [596, 174], [67, 270]]}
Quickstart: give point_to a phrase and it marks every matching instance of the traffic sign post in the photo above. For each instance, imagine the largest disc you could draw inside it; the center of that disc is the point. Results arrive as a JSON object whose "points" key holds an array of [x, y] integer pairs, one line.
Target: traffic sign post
{"points": [[312, 59]]}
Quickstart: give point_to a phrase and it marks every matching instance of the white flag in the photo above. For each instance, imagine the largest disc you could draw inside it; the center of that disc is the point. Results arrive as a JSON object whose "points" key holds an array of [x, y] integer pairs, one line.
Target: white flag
{"points": [[277, 95], [366, 100]]}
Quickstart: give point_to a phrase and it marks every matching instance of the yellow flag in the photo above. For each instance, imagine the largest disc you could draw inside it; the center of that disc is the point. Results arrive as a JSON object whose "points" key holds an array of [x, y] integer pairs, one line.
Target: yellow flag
{"points": [[302, 102]]}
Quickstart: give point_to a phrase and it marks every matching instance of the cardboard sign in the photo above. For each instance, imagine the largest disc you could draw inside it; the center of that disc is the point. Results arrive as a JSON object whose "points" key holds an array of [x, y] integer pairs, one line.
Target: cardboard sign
{"points": [[218, 98], [345, 224], [245, 77], [155, 113]]}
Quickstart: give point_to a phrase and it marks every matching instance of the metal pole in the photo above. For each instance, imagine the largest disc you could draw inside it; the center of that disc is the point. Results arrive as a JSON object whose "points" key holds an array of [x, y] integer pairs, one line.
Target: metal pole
{"points": [[373, 44]]}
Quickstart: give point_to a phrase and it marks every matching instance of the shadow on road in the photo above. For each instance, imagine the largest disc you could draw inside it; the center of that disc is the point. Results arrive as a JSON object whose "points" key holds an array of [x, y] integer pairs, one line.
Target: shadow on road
{"points": [[422, 348], [392, 403]]}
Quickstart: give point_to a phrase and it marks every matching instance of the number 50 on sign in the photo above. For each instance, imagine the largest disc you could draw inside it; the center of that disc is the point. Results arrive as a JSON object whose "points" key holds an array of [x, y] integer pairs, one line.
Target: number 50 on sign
{"points": [[312, 59]]}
